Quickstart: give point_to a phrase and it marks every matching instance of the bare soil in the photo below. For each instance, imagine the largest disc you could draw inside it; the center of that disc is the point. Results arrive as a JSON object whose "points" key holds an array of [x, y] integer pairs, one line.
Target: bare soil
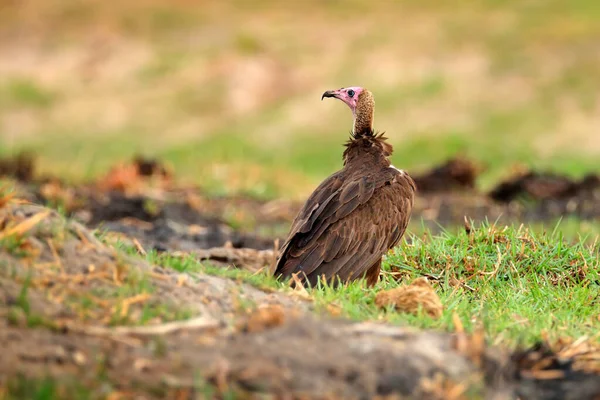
{"points": [[140, 200]]}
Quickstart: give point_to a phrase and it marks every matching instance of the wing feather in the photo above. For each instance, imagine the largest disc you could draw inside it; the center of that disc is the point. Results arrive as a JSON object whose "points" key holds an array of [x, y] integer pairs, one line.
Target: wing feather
{"points": [[347, 225]]}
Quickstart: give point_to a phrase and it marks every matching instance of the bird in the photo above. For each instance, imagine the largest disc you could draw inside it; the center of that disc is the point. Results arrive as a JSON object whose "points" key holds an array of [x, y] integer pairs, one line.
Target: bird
{"points": [[356, 215]]}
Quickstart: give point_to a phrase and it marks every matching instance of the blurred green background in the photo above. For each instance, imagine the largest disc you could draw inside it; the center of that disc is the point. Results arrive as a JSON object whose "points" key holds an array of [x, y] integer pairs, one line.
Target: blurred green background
{"points": [[228, 92]]}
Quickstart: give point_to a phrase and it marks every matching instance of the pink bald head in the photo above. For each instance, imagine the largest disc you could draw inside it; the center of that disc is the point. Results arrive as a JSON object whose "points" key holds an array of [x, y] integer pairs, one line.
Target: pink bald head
{"points": [[348, 95]]}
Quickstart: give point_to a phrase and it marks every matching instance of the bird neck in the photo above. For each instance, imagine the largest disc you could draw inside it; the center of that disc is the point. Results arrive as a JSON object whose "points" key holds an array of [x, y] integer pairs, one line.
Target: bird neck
{"points": [[363, 116]]}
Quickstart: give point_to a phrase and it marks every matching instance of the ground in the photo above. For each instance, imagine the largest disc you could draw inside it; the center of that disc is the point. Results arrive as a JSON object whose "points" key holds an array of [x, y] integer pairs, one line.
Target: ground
{"points": [[139, 288], [153, 154]]}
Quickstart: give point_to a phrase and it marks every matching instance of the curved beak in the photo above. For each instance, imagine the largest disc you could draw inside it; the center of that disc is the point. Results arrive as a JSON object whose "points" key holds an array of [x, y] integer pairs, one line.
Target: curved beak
{"points": [[329, 93]]}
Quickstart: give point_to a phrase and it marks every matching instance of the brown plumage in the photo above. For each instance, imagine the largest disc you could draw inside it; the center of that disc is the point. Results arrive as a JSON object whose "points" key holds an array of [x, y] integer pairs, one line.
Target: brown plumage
{"points": [[355, 215]]}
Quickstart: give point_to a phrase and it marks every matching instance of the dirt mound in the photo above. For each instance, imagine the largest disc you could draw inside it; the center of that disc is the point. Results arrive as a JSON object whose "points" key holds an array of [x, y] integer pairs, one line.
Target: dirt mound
{"points": [[140, 200], [166, 225], [542, 196], [62, 290], [70, 306], [544, 186], [133, 176], [21, 167], [455, 174], [65, 259], [551, 372]]}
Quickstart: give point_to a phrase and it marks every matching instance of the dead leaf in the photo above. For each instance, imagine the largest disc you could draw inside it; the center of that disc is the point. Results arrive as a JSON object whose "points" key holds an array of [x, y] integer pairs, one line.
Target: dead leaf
{"points": [[410, 298]]}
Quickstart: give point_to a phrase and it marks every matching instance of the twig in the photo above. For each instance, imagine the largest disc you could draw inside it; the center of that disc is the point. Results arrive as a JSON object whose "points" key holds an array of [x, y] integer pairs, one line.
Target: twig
{"points": [[139, 247], [472, 289], [161, 277], [543, 375], [55, 255], [458, 325], [162, 329], [496, 266], [139, 298], [173, 381], [84, 235], [380, 330]]}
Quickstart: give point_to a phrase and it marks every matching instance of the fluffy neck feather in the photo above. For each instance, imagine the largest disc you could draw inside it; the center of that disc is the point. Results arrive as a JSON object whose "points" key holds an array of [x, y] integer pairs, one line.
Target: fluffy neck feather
{"points": [[363, 115], [364, 150]]}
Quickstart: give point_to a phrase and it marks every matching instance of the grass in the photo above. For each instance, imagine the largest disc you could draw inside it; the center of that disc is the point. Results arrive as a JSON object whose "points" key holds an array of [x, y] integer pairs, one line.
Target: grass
{"points": [[515, 283], [44, 389], [573, 230], [113, 292], [518, 285], [20, 92], [21, 387], [188, 264]]}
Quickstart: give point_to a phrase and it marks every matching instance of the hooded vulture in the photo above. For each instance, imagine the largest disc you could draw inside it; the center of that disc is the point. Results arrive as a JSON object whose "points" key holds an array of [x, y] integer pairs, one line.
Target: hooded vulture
{"points": [[354, 216]]}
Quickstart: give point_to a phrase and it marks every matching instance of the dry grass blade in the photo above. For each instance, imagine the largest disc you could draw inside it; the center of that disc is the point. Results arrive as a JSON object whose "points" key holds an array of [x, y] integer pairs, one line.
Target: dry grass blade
{"points": [[372, 328], [246, 258], [140, 298], [57, 260], [543, 374], [458, 325], [24, 226], [5, 198], [496, 266], [162, 329], [298, 287], [139, 247]]}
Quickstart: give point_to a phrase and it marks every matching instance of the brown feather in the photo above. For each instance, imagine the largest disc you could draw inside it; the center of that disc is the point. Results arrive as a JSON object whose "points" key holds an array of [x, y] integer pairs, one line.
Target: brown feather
{"points": [[372, 275]]}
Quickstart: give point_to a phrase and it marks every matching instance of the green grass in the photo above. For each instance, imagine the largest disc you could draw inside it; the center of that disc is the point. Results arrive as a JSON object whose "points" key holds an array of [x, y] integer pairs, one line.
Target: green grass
{"points": [[572, 229], [523, 283], [21, 92], [106, 301], [188, 264], [516, 284], [21, 387]]}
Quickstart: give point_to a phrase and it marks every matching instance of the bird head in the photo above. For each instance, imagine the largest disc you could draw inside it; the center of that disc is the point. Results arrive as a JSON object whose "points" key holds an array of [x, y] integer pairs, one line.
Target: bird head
{"points": [[360, 101], [349, 95]]}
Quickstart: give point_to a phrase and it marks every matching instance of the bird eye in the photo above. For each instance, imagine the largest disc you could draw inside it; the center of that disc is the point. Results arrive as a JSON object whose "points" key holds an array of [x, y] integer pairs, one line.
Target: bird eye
{"points": [[351, 93]]}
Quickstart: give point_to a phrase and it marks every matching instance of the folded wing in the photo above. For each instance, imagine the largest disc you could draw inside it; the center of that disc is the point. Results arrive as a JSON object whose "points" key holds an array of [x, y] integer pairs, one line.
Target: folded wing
{"points": [[347, 225]]}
